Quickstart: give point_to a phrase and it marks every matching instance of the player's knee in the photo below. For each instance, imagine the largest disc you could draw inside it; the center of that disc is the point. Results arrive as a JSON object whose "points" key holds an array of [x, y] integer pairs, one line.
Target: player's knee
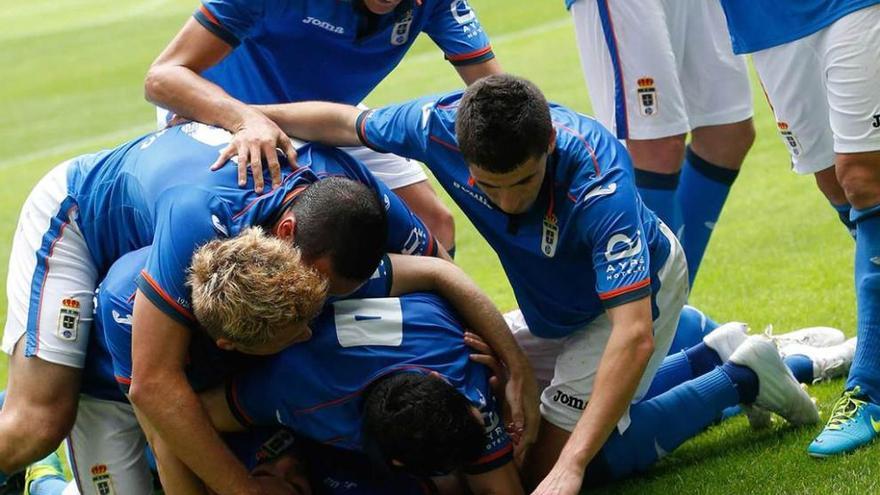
{"points": [[859, 176], [663, 155]]}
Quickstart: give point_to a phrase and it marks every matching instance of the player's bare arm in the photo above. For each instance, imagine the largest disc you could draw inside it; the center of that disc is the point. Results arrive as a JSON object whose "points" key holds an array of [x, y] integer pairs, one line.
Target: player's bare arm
{"points": [[162, 394], [174, 82], [621, 368], [500, 481], [412, 274], [470, 73]]}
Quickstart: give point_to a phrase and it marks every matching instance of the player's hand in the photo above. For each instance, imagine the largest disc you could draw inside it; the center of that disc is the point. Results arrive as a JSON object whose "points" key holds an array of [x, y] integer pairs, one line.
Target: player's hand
{"points": [[563, 479], [256, 139], [273, 485], [516, 390]]}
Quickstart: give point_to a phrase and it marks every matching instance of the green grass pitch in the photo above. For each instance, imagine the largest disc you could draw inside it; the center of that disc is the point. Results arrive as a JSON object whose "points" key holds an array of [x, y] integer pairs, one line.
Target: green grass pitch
{"points": [[72, 83]]}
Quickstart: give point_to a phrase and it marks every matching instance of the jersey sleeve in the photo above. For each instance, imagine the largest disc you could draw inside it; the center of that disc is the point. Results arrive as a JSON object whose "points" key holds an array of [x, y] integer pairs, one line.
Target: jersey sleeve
{"points": [[454, 27], [231, 20], [407, 234], [184, 221], [612, 226], [498, 450], [378, 285], [401, 129]]}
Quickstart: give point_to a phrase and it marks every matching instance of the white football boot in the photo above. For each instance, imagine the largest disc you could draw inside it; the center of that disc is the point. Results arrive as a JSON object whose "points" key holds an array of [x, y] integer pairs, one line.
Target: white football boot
{"points": [[725, 339], [778, 391], [828, 362], [812, 336]]}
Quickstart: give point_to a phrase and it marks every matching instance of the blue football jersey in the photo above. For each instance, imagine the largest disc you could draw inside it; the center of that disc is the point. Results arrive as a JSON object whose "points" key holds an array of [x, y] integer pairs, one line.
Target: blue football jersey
{"points": [[296, 50], [158, 190], [354, 343], [761, 24], [587, 244]]}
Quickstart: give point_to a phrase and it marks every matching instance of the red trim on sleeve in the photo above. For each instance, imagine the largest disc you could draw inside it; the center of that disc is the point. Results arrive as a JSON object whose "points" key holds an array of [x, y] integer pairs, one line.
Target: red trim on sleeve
{"points": [[237, 404], [123, 380], [623, 290], [584, 141], [469, 55], [207, 13], [166, 297], [443, 143], [493, 456]]}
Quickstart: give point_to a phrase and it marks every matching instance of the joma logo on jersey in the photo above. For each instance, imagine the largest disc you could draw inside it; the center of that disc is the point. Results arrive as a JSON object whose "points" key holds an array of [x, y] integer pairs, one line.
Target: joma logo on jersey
{"points": [[570, 401], [324, 25], [876, 122], [647, 94], [788, 136], [479, 197]]}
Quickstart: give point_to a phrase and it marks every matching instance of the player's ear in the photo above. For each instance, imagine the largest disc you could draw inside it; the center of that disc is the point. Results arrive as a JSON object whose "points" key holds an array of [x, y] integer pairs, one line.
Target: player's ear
{"points": [[552, 146], [286, 228], [225, 344]]}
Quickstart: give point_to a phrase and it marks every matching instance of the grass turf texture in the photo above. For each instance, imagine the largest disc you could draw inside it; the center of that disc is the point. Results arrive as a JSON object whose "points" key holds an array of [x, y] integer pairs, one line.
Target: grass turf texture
{"points": [[72, 83]]}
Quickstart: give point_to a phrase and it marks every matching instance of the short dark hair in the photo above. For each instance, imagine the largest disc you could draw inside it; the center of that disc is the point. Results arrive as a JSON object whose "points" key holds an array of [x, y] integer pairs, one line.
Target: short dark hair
{"points": [[422, 422], [342, 219], [502, 121]]}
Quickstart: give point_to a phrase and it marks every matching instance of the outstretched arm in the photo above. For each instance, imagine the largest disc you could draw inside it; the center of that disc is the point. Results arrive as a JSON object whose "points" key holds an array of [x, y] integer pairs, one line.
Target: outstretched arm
{"points": [[174, 82], [620, 370]]}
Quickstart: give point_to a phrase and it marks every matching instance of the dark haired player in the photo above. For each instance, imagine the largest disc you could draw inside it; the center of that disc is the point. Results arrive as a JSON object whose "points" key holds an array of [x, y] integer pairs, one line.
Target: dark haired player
{"points": [[238, 52], [600, 280], [157, 190]]}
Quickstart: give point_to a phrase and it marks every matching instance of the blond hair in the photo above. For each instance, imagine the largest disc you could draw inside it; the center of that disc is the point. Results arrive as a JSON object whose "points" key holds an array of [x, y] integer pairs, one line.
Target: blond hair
{"points": [[249, 287]]}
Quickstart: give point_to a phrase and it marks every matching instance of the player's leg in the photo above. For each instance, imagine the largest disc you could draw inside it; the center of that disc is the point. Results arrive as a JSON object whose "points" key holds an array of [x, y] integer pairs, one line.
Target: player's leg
{"points": [[693, 325], [632, 77], [715, 85], [564, 400], [50, 287], [407, 179], [850, 48]]}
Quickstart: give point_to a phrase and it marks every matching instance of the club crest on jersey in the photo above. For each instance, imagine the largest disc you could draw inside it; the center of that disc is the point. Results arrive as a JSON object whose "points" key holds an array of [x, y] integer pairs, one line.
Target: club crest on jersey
{"points": [[789, 138], [101, 479], [68, 319], [276, 445], [550, 235], [647, 93], [400, 30]]}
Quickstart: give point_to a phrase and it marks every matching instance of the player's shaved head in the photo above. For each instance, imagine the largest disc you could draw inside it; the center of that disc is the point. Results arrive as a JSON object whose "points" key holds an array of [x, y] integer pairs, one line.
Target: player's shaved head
{"points": [[421, 422], [502, 121], [345, 221]]}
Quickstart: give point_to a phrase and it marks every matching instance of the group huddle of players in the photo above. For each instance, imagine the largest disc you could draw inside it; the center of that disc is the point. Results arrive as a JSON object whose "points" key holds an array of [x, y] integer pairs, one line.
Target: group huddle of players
{"points": [[217, 307]]}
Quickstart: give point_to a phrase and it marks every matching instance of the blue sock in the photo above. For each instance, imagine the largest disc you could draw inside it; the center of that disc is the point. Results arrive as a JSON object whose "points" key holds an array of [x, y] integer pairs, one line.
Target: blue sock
{"points": [[681, 367], [843, 213], [663, 423], [801, 367], [693, 325], [745, 380], [701, 196], [658, 192], [865, 370]]}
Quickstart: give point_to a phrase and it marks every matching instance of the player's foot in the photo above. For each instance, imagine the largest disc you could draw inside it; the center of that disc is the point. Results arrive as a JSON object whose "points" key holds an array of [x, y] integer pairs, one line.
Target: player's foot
{"points": [[828, 362], [48, 467], [725, 339], [812, 336], [778, 391], [854, 422]]}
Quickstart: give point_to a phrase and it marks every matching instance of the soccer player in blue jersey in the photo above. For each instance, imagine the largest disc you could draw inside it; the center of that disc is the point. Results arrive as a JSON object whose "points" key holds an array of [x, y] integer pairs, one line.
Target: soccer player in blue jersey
{"points": [[600, 281], [157, 190], [238, 52], [658, 71], [818, 61]]}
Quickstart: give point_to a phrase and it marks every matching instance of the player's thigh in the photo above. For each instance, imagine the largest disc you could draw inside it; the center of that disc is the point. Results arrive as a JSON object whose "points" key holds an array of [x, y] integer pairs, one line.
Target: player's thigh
{"points": [[51, 279], [630, 67], [393, 170], [851, 50], [794, 81], [106, 450], [540, 352], [714, 81]]}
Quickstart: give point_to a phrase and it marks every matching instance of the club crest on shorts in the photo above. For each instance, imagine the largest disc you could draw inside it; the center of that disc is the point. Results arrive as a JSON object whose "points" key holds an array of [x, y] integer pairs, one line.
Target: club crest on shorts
{"points": [[550, 235], [788, 136], [101, 479], [647, 93], [68, 319]]}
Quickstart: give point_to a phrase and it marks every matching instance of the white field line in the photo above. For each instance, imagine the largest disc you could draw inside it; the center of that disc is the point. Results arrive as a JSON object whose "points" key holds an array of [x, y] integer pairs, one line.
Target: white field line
{"points": [[71, 146]]}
